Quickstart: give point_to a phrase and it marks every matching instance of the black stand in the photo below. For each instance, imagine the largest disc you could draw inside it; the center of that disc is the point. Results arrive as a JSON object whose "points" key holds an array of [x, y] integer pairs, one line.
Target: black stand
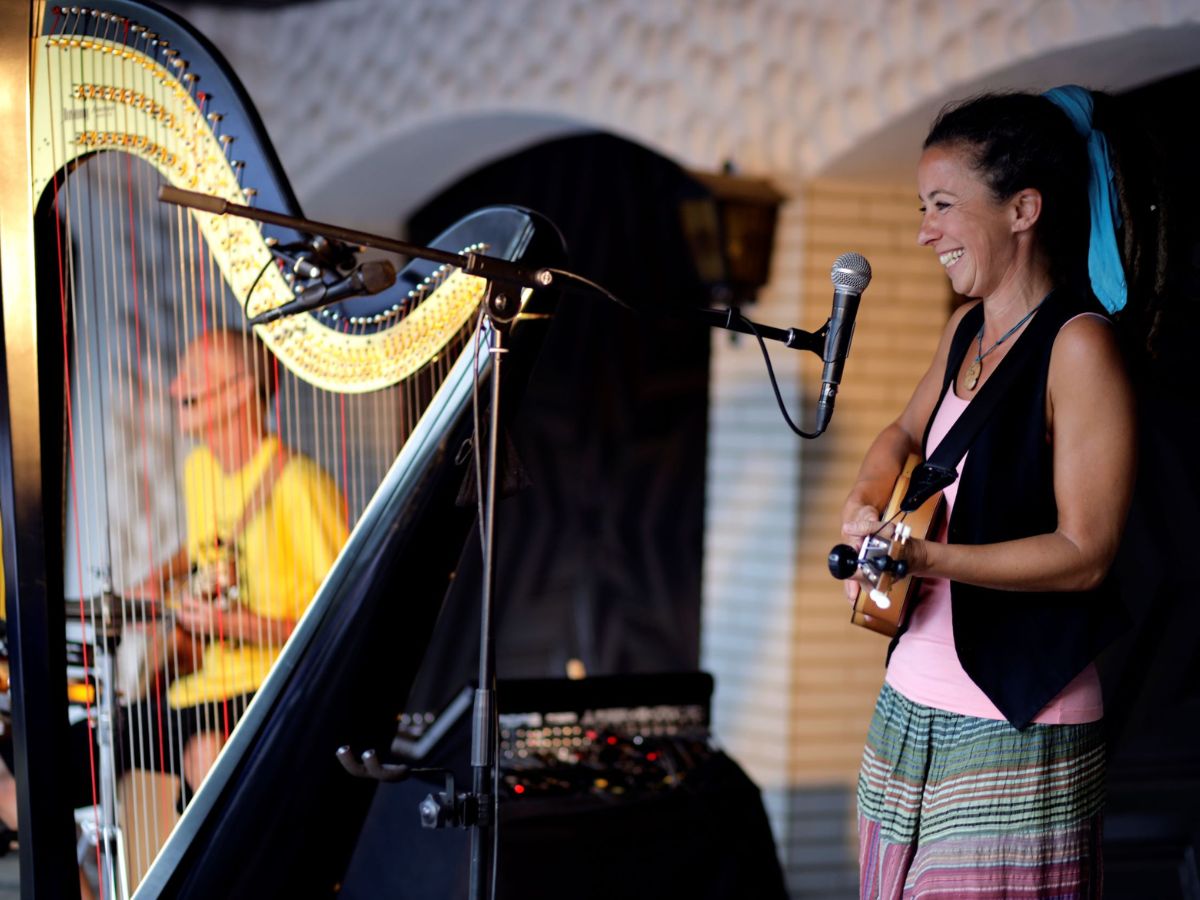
{"points": [[476, 810], [484, 729]]}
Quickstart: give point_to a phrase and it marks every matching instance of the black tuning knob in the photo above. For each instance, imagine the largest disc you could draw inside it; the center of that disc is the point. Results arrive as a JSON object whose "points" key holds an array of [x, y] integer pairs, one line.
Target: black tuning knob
{"points": [[843, 561]]}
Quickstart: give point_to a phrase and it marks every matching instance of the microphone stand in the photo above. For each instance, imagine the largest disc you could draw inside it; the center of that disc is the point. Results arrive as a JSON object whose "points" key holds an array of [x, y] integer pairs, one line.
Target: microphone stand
{"points": [[477, 810]]}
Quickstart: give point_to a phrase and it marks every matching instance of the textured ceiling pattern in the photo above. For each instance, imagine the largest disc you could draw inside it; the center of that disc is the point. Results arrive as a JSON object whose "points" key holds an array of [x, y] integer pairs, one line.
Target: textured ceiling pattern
{"points": [[782, 87]]}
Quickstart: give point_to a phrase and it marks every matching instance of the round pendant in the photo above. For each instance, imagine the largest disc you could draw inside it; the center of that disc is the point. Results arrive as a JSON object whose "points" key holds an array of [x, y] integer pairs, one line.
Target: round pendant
{"points": [[972, 377]]}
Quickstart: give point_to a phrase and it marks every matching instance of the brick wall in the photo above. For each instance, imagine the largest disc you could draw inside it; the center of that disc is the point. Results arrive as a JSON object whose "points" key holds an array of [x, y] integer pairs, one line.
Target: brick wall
{"points": [[796, 682], [837, 668]]}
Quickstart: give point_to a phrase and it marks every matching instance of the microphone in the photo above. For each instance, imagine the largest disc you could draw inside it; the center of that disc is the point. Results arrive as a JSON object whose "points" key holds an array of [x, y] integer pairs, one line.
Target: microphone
{"points": [[369, 278], [851, 274]]}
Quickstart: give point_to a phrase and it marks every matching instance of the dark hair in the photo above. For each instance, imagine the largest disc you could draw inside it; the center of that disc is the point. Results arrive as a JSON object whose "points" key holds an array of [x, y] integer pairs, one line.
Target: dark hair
{"points": [[1152, 222], [1020, 141]]}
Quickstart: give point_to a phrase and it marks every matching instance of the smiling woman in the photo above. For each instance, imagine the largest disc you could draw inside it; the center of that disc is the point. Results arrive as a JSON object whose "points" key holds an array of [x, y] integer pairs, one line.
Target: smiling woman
{"points": [[984, 243], [984, 765]]}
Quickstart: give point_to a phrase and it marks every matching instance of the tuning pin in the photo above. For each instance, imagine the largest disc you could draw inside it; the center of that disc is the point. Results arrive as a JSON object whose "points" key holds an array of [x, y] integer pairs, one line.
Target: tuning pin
{"points": [[843, 561]]}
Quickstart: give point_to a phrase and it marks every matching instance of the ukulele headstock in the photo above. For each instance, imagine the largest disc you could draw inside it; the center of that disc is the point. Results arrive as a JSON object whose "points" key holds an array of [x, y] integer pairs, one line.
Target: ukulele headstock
{"points": [[882, 561]]}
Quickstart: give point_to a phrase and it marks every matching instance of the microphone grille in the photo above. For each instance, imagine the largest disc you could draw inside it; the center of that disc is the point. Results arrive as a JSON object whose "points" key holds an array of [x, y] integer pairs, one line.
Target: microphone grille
{"points": [[851, 270], [377, 275]]}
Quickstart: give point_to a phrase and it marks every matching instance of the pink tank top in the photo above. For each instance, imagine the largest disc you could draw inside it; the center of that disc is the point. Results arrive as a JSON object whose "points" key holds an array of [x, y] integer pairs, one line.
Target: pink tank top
{"points": [[924, 666]]}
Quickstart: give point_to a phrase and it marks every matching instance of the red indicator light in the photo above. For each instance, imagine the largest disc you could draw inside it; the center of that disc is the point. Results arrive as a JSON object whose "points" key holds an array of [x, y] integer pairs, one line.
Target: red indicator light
{"points": [[612, 739], [652, 756], [518, 788]]}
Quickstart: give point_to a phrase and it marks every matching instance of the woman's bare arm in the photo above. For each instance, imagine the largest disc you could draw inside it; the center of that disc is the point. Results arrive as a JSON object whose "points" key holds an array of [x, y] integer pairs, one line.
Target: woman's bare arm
{"points": [[1093, 432]]}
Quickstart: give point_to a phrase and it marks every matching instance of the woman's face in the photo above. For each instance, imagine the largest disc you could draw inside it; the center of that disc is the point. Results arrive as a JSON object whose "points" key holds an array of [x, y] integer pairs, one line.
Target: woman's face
{"points": [[972, 233]]}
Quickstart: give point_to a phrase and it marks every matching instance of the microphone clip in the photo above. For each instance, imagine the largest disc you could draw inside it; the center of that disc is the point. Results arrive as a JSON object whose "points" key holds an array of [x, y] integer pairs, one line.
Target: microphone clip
{"points": [[370, 277], [311, 258]]}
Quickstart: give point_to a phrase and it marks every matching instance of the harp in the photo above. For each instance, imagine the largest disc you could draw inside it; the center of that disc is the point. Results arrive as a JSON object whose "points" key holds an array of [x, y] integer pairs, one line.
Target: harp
{"points": [[105, 293]]}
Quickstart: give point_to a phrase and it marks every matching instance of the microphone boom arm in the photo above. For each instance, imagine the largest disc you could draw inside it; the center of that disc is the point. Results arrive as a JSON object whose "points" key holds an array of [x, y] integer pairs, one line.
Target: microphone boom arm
{"points": [[732, 320], [488, 267]]}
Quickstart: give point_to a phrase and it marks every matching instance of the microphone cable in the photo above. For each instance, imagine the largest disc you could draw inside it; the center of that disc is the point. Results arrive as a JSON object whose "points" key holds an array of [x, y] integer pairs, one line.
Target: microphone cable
{"points": [[808, 435]]}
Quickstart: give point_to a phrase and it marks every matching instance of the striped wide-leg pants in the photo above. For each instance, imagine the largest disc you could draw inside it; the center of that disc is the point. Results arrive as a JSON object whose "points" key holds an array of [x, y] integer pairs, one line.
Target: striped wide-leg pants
{"points": [[954, 806]]}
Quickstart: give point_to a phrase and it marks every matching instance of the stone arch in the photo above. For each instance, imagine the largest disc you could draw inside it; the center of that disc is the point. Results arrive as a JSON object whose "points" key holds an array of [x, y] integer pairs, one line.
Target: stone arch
{"points": [[375, 183], [888, 150]]}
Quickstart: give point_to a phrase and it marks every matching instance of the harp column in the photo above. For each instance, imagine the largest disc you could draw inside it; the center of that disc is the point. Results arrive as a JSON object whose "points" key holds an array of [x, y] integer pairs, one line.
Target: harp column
{"points": [[31, 497]]}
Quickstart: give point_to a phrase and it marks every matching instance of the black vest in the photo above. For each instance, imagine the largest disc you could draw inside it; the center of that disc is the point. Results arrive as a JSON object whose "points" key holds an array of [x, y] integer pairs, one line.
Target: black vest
{"points": [[1020, 647]]}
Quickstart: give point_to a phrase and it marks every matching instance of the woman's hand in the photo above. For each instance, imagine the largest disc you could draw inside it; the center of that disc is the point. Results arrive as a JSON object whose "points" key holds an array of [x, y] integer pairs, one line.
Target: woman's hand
{"points": [[858, 522]]}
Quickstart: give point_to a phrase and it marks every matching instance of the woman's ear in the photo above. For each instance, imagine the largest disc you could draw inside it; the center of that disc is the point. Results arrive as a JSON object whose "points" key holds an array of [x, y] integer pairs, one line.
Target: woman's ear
{"points": [[1026, 208]]}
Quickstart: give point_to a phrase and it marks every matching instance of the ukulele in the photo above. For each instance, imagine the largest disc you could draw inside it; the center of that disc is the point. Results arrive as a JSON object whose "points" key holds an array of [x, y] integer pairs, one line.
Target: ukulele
{"points": [[884, 561]]}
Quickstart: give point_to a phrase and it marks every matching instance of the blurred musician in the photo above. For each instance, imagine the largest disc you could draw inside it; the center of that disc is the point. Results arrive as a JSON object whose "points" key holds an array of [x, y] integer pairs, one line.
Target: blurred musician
{"points": [[264, 525]]}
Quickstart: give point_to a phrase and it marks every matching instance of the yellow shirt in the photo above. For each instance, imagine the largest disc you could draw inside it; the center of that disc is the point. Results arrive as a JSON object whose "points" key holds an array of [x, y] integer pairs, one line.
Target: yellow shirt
{"points": [[282, 555]]}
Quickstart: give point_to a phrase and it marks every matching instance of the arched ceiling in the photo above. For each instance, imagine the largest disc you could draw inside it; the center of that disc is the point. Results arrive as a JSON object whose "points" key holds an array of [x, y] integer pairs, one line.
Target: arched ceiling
{"points": [[399, 172], [1115, 64], [374, 105]]}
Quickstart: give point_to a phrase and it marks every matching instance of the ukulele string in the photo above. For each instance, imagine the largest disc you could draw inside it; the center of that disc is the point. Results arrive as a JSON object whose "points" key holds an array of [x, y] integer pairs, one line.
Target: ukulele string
{"points": [[884, 524]]}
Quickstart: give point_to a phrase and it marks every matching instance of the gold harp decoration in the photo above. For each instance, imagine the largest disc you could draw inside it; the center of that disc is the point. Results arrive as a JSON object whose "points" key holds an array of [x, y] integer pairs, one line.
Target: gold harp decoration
{"points": [[118, 99]]}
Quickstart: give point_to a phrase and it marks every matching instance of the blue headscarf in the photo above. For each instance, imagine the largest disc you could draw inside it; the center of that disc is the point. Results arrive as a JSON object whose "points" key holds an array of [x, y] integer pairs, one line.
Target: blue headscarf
{"points": [[1104, 261]]}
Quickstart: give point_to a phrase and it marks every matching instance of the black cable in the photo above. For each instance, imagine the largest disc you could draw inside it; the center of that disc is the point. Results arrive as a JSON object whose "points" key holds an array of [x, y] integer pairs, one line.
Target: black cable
{"points": [[494, 811], [761, 343], [774, 383], [258, 278], [599, 288]]}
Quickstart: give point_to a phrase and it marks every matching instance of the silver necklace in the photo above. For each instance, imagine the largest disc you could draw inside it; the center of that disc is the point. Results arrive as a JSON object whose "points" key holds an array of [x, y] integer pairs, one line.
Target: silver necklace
{"points": [[976, 368]]}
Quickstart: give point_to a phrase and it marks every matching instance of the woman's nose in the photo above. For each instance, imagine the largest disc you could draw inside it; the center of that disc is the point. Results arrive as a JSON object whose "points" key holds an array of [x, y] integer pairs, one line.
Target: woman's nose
{"points": [[926, 234]]}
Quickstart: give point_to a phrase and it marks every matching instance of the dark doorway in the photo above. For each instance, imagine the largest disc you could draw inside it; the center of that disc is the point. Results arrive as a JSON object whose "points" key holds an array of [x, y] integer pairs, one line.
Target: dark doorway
{"points": [[600, 555]]}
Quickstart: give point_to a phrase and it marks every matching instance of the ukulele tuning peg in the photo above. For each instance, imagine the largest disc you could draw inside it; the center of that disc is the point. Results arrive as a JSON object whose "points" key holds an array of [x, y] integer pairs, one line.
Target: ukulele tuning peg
{"points": [[843, 561]]}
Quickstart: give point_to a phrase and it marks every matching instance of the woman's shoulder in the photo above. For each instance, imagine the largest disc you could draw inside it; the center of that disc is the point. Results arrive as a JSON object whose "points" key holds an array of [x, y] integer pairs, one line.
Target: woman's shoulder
{"points": [[1083, 325], [1085, 330], [1086, 348]]}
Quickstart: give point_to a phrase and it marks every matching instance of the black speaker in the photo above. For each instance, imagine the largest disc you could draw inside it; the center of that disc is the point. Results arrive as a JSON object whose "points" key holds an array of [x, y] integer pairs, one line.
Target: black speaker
{"points": [[706, 839]]}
